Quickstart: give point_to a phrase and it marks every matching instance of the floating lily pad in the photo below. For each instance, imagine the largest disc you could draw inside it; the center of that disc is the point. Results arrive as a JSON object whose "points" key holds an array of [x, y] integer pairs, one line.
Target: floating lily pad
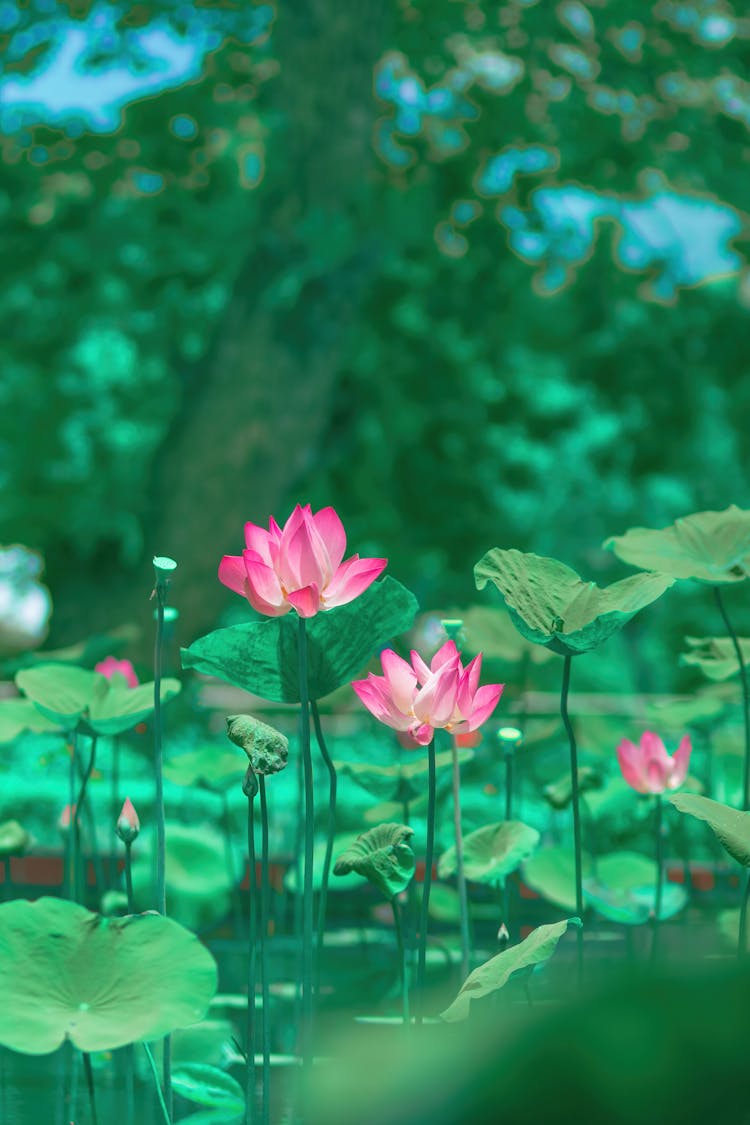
{"points": [[551, 873], [101, 982], [715, 656], [403, 780], [261, 656], [383, 856], [552, 606], [488, 978], [492, 852], [730, 826], [708, 546]]}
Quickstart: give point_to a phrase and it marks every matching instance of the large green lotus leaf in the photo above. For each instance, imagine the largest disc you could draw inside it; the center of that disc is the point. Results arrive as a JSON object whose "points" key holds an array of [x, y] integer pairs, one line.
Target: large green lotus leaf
{"points": [[14, 839], [261, 656], [624, 889], [115, 709], [403, 780], [493, 974], [715, 656], [489, 630], [340, 844], [492, 852], [709, 546], [550, 605], [730, 826], [208, 766], [198, 883], [207, 1085], [551, 873], [61, 692], [19, 715], [101, 982], [383, 856]]}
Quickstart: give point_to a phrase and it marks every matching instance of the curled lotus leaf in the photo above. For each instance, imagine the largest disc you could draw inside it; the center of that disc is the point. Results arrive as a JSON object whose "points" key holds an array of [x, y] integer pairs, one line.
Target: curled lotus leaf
{"points": [[492, 852], [715, 656], [495, 973], [383, 856], [266, 748], [707, 546], [551, 605], [66, 973], [730, 826]]}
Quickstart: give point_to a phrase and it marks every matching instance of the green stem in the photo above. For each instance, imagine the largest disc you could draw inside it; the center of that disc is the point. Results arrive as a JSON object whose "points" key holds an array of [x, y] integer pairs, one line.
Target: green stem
{"points": [[155, 1072], [265, 889], [129, 878], [402, 960], [90, 1084], [251, 943], [463, 900], [161, 836], [129, 1049], [576, 809], [659, 875], [745, 697], [307, 892], [742, 943], [429, 850], [70, 841], [75, 824], [508, 756], [330, 830]]}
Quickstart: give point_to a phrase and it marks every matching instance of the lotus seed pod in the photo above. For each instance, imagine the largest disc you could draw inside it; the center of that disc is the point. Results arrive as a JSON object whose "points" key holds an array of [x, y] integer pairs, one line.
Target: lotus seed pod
{"points": [[266, 747]]}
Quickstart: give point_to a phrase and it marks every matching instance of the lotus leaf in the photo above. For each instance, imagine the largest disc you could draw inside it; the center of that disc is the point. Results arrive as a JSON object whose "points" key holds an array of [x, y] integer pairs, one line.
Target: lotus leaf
{"points": [[14, 839], [492, 852], [624, 889], [715, 656], [207, 766], [402, 781], [551, 873], [207, 1085], [560, 793], [101, 982], [552, 606], [383, 856], [261, 656], [708, 546], [19, 715], [198, 883], [493, 974], [730, 826]]}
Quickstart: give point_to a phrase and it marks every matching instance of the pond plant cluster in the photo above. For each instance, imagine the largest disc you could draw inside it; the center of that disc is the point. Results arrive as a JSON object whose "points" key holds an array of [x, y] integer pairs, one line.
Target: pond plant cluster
{"points": [[452, 904]]}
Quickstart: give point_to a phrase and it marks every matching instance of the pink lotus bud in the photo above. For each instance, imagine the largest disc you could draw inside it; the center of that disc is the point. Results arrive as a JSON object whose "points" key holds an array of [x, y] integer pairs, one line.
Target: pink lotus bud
{"points": [[503, 935], [66, 816], [109, 666], [298, 566], [648, 768], [128, 825]]}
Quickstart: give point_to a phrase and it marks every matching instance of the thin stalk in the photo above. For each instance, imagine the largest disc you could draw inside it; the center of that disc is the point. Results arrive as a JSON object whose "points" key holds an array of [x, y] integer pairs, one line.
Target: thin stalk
{"points": [[402, 960], [70, 840], [87, 810], [659, 875], [251, 943], [330, 830], [161, 838], [265, 888], [155, 1072], [742, 943], [576, 809], [463, 900], [745, 697], [90, 1084], [129, 1049], [229, 860], [508, 756], [75, 821], [129, 878], [429, 850], [309, 819]]}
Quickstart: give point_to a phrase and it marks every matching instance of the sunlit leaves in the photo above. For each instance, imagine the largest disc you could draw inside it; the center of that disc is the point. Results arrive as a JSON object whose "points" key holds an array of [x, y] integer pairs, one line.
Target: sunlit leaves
{"points": [[708, 546]]}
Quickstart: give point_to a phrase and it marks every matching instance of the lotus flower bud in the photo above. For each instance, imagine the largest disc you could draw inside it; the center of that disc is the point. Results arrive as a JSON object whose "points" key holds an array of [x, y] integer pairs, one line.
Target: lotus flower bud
{"points": [[266, 747], [128, 825], [66, 817], [250, 783], [503, 935]]}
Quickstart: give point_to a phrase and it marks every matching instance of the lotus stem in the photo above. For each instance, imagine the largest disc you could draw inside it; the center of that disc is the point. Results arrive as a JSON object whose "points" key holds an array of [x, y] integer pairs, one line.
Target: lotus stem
{"points": [[659, 874], [429, 850], [330, 830], [265, 887], [508, 756], [309, 824], [251, 943], [90, 1083], [155, 1072], [576, 810], [129, 1050], [70, 841], [463, 900], [402, 960], [160, 590], [745, 697], [75, 819], [742, 943]]}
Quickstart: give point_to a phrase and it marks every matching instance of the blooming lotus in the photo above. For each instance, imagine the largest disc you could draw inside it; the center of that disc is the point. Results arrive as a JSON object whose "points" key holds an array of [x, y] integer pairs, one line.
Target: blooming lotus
{"points": [[298, 566], [110, 666], [417, 699], [648, 768]]}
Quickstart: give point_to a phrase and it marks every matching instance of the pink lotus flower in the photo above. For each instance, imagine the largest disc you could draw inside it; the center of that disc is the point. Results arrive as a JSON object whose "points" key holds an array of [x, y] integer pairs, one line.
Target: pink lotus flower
{"points": [[109, 666], [298, 567], [648, 768], [66, 816], [416, 699], [128, 825]]}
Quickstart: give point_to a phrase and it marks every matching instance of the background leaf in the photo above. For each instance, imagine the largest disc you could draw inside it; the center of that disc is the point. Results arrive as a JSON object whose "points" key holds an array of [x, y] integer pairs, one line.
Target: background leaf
{"points": [[492, 852], [708, 546], [730, 826]]}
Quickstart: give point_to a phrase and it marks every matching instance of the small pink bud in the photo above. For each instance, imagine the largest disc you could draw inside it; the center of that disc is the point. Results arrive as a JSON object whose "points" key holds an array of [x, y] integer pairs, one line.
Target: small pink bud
{"points": [[66, 816], [128, 825], [124, 668], [503, 935]]}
